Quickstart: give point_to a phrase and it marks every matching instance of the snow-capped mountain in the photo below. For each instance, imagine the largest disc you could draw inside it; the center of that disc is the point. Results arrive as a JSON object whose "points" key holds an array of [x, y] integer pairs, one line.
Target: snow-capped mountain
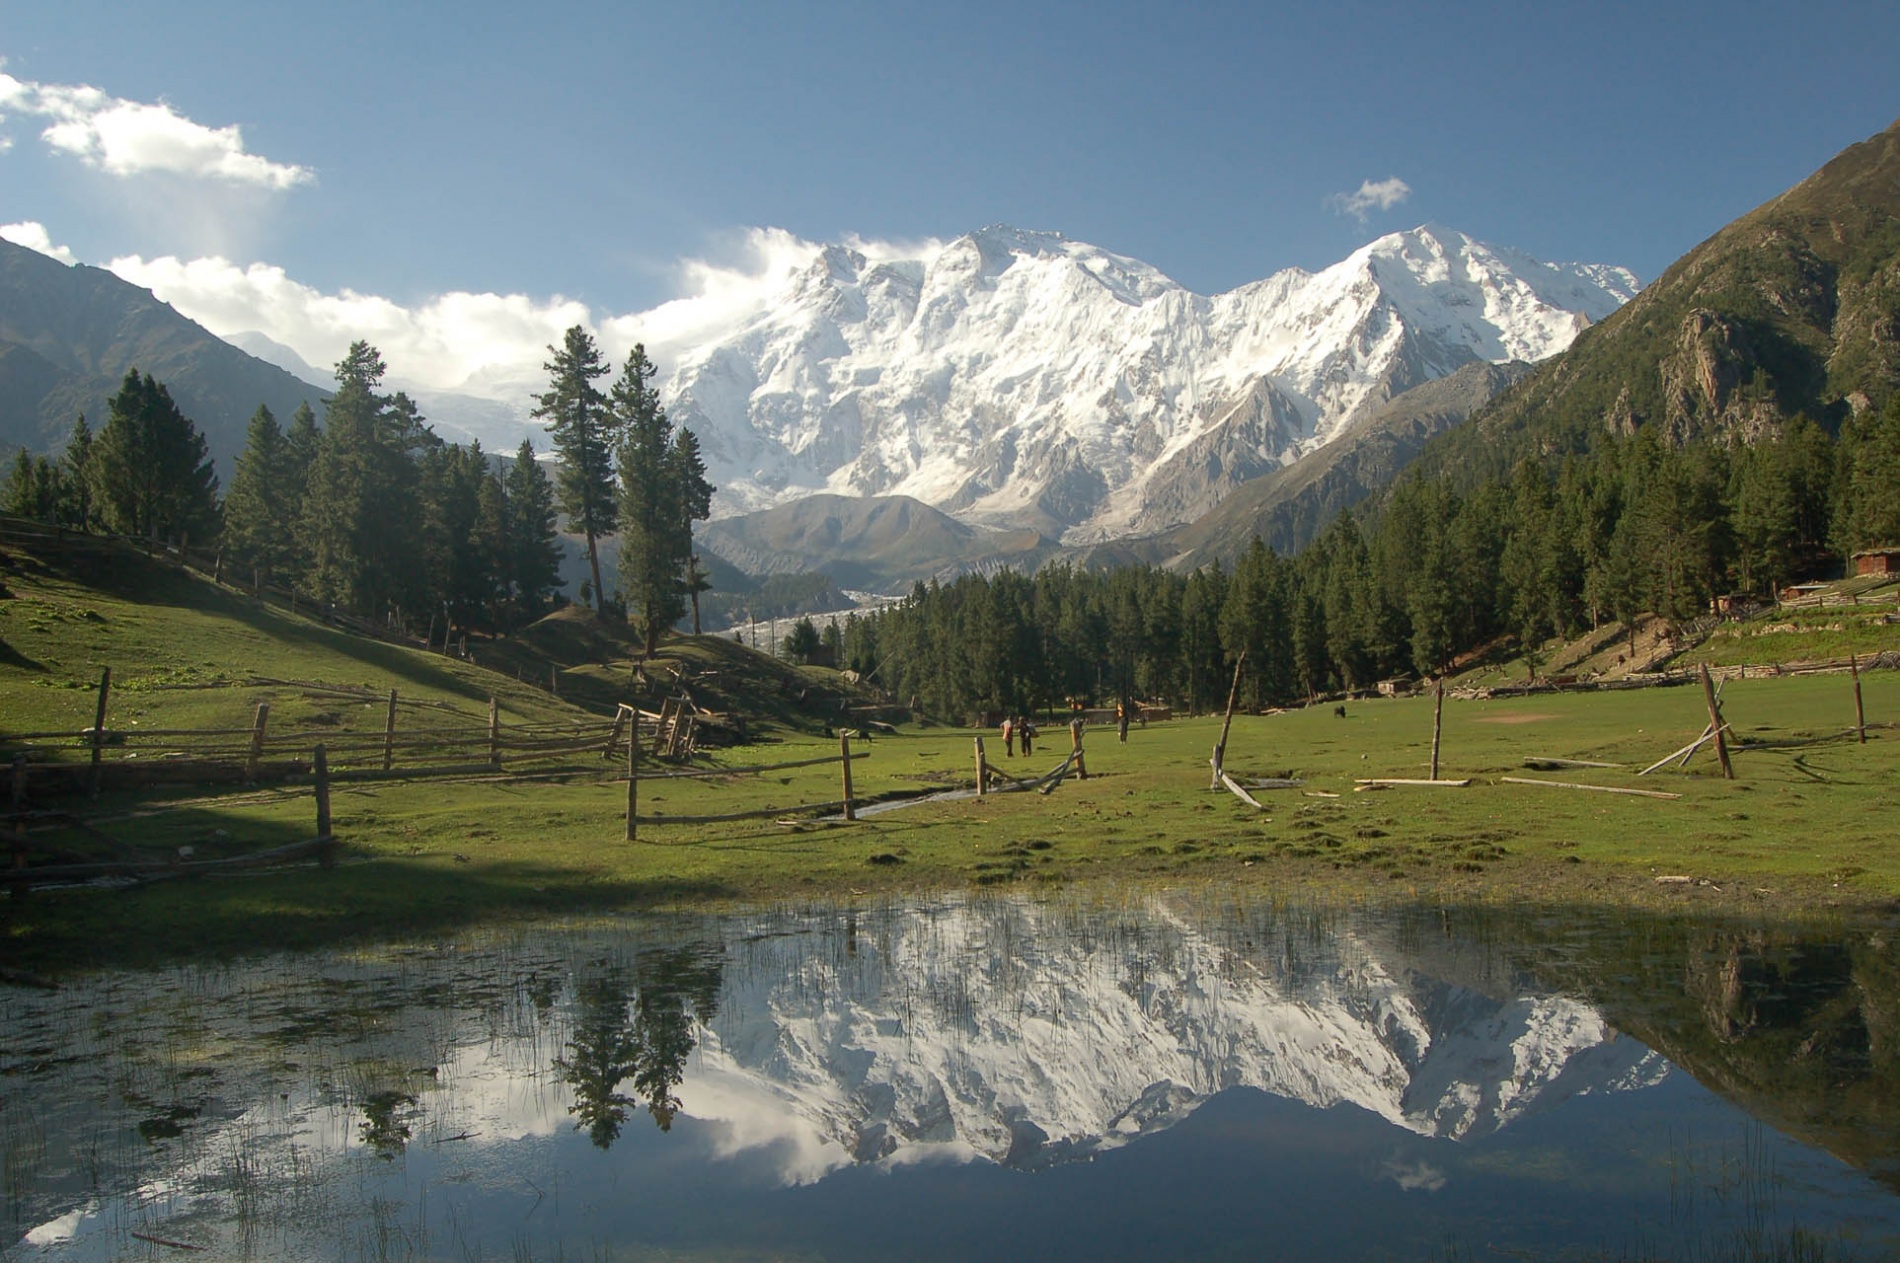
{"points": [[998, 1031], [1024, 379]]}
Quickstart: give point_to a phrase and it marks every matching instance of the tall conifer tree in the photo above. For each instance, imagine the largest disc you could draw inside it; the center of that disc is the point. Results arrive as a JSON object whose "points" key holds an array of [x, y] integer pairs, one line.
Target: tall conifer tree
{"points": [[534, 567], [582, 428], [257, 511], [150, 469]]}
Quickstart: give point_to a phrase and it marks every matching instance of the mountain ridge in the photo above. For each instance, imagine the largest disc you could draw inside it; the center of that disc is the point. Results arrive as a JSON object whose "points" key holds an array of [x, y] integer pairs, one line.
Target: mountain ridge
{"points": [[1792, 307], [69, 334], [1024, 379]]}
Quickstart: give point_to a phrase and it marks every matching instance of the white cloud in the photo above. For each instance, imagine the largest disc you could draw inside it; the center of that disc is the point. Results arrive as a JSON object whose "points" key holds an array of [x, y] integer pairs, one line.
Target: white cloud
{"points": [[714, 298], [1371, 195], [486, 344], [132, 137], [33, 235]]}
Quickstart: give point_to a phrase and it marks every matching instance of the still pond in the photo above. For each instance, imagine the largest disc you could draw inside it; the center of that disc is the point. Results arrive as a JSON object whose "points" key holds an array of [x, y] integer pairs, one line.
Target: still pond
{"points": [[1091, 1076]]}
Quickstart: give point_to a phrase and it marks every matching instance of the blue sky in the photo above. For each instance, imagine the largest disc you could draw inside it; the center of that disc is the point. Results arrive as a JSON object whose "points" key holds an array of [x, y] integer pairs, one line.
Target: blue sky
{"points": [[585, 152]]}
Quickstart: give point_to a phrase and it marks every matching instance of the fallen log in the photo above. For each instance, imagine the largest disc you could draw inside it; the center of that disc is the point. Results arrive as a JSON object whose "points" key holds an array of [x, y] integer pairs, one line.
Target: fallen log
{"points": [[1241, 793], [1601, 789], [1542, 762], [1707, 735]]}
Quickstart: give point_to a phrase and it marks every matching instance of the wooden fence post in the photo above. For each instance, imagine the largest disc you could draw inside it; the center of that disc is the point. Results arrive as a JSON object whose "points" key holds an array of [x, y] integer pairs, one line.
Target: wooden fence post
{"points": [[19, 784], [633, 777], [1075, 749], [20, 885], [982, 769], [1220, 747], [1715, 722], [320, 774], [258, 723], [389, 733], [554, 679], [494, 733], [1438, 721], [844, 749], [1860, 715], [99, 731], [613, 738]]}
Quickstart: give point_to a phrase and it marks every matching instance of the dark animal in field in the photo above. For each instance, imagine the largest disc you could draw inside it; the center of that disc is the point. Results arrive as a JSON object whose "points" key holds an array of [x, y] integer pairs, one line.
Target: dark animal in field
{"points": [[1339, 712]]}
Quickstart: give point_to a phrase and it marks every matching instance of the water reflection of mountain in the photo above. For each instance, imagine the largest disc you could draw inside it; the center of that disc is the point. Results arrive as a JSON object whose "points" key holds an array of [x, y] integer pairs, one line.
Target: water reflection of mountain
{"points": [[797, 1043], [1032, 1034], [1798, 1024]]}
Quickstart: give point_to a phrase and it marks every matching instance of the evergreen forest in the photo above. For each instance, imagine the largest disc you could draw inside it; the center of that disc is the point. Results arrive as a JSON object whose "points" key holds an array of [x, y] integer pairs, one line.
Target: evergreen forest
{"points": [[372, 513]]}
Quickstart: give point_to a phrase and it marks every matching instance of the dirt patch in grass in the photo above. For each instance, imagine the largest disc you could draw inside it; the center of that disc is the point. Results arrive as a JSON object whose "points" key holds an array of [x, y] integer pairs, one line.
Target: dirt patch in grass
{"points": [[1512, 719]]}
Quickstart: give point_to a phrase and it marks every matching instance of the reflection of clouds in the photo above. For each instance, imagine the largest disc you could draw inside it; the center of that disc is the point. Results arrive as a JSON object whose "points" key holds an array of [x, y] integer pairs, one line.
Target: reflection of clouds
{"points": [[1415, 1176], [490, 1089], [748, 1115], [54, 1231]]}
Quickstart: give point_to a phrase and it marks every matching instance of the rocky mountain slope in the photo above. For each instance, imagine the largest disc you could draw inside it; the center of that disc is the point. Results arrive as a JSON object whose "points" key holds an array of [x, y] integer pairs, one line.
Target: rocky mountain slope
{"points": [[1794, 307], [1025, 380], [1289, 507], [68, 335]]}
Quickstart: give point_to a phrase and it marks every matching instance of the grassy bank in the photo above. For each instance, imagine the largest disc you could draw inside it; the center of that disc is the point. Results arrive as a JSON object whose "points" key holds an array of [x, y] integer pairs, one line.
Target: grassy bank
{"points": [[1799, 826]]}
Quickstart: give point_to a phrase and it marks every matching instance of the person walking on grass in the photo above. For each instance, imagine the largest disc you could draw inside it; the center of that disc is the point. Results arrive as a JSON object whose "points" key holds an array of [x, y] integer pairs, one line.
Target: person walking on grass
{"points": [[1009, 737]]}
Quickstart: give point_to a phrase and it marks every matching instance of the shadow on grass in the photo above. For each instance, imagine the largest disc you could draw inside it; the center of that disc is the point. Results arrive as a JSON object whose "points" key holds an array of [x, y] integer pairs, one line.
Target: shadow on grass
{"points": [[304, 906], [11, 657]]}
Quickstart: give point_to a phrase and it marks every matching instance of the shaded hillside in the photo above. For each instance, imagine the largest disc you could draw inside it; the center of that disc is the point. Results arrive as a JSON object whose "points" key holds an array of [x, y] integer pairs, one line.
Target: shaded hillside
{"points": [[1793, 308], [69, 334], [1289, 507], [875, 542]]}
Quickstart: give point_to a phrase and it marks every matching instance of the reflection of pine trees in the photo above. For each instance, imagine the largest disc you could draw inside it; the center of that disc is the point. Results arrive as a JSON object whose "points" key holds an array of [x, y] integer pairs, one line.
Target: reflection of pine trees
{"points": [[600, 1056], [385, 1129], [642, 1032]]}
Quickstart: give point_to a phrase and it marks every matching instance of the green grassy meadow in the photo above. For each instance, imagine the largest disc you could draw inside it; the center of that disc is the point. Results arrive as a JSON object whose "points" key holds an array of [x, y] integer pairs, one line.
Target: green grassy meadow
{"points": [[1800, 826], [1797, 827]]}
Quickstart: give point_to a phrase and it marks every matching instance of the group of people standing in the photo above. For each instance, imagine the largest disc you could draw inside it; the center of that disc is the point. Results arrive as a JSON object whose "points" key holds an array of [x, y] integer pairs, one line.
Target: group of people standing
{"points": [[1018, 728]]}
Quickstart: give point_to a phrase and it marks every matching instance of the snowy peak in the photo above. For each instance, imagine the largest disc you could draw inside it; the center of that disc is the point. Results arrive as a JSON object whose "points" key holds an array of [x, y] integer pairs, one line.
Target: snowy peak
{"points": [[1022, 379]]}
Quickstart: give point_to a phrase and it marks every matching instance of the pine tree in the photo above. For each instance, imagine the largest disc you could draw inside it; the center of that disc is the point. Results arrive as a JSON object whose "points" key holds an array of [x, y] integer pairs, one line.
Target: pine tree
{"points": [[360, 508], [257, 511], [20, 495], [494, 544], [582, 429], [1869, 512], [663, 491], [149, 469], [534, 564], [76, 507]]}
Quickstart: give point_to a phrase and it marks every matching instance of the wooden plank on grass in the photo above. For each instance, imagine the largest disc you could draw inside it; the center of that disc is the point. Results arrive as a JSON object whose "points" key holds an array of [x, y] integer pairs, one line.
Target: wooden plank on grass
{"points": [[1601, 789], [1383, 781], [1241, 793], [1541, 761]]}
